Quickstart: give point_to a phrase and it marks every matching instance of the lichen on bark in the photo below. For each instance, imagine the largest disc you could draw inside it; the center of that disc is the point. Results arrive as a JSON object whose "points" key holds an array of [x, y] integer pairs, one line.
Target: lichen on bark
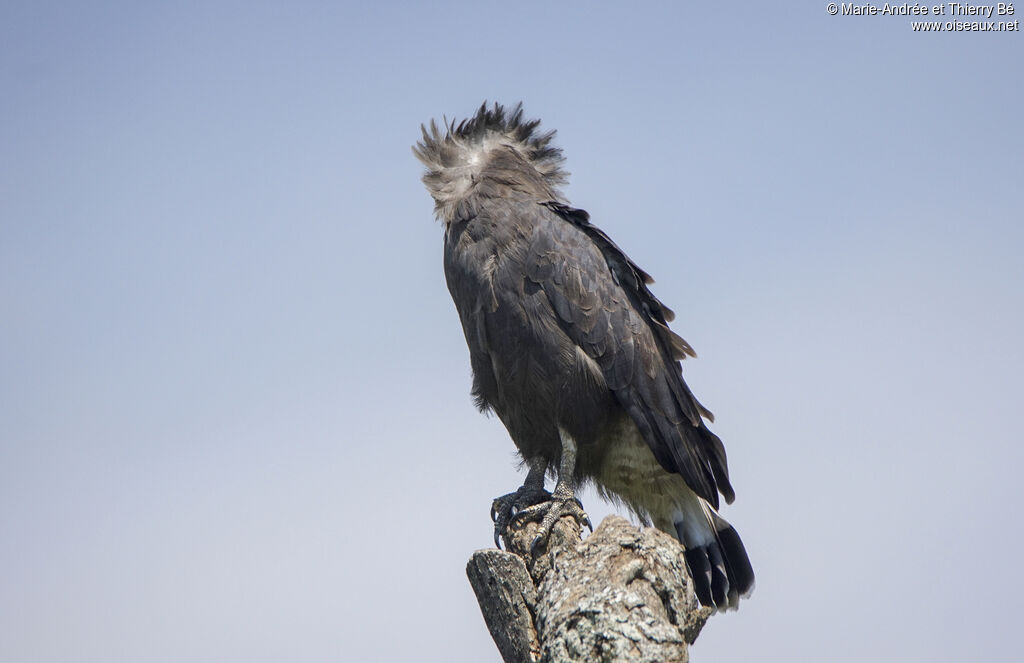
{"points": [[623, 594]]}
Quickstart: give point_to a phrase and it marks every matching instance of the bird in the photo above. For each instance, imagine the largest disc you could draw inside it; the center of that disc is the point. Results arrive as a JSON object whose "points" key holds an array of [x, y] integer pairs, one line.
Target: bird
{"points": [[571, 351]]}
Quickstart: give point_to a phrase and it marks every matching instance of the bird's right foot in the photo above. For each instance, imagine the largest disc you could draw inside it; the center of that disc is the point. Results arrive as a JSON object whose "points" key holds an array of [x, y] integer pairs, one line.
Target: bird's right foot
{"points": [[505, 508]]}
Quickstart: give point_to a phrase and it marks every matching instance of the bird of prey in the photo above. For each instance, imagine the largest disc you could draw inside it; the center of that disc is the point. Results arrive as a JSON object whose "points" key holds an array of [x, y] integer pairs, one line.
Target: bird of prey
{"points": [[572, 352]]}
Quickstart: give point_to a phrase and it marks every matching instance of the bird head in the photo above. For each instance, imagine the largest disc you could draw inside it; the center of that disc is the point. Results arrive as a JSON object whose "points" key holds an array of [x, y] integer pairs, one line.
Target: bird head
{"points": [[494, 154]]}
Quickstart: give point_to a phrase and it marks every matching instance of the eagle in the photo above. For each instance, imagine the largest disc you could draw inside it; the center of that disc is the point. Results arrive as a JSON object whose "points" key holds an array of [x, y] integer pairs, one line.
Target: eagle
{"points": [[572, 351]]}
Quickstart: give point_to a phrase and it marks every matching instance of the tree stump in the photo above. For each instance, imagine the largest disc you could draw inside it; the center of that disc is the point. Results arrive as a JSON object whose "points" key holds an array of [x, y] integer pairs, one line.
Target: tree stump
{"points": [[624, 594]]}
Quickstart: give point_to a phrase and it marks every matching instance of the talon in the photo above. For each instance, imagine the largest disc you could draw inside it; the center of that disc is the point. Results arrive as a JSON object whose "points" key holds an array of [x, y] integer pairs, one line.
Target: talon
{"points": [[535, 545], [511, 510]]}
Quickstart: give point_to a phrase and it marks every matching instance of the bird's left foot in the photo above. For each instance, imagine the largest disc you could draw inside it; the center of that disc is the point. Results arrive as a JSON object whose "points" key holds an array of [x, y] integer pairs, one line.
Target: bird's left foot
{"points": [[549, 512]]}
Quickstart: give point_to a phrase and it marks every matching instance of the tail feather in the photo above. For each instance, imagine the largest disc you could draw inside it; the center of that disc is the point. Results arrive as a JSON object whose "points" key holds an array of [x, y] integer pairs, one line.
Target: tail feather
{"points": [[741, 573], [717, 561], [700, 570], [720, 585]]}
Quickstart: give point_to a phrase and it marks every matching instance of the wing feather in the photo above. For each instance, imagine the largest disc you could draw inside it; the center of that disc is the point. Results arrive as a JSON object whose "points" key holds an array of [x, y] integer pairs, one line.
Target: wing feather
{"points": [[602, 299]]}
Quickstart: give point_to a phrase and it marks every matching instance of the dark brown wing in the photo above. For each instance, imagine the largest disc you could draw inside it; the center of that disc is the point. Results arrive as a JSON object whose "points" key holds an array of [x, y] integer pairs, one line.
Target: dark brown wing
{"points": [[601, 298]]}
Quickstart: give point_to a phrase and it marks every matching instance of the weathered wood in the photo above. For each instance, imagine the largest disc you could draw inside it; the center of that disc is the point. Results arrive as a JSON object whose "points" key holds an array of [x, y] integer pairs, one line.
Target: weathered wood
{"points": [[507, 599], [623, 594]]}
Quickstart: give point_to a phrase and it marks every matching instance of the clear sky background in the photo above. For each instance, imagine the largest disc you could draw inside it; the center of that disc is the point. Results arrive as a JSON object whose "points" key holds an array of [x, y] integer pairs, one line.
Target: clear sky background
{"points": [[235, 421]]}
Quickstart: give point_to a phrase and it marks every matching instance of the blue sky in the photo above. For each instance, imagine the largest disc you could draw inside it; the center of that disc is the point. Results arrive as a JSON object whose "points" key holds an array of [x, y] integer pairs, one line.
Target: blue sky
{"points": [[234, 411]]}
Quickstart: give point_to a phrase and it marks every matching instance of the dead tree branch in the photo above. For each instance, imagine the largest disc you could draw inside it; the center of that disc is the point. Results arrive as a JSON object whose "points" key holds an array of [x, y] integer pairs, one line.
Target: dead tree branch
{"points": [[622, 595]]}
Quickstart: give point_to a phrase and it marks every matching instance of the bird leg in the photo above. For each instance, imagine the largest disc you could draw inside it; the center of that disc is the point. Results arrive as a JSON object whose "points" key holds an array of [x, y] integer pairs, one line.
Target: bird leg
{"points": [[562, 502], [505, 508]]}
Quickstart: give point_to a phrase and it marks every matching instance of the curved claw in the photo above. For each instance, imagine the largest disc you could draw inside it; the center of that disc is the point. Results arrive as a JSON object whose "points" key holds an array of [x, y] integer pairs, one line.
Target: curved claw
{"points": [[508, 509], [547, 514]]}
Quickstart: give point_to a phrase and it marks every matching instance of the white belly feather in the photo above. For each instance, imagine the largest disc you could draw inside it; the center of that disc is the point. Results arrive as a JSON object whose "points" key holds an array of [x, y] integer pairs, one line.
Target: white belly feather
{"points": [[631, 474]]}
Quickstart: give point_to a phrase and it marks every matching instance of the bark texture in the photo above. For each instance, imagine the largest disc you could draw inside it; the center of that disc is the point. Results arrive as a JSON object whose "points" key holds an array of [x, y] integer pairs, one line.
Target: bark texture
{"points": [[622, 595]]}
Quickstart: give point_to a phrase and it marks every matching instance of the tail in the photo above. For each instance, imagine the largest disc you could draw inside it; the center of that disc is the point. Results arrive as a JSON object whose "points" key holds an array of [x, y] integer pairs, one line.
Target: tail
{"points": [[716, 558]]}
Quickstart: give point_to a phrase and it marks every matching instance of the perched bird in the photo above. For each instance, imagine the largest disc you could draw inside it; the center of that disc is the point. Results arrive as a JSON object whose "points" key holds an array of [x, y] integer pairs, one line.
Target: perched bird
{"points": [[571, 351]]}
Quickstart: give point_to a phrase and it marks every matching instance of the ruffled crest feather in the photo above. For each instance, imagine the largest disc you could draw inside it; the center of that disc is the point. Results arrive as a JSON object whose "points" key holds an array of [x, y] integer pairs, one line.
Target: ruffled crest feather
{"points": [[456, 155]]}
